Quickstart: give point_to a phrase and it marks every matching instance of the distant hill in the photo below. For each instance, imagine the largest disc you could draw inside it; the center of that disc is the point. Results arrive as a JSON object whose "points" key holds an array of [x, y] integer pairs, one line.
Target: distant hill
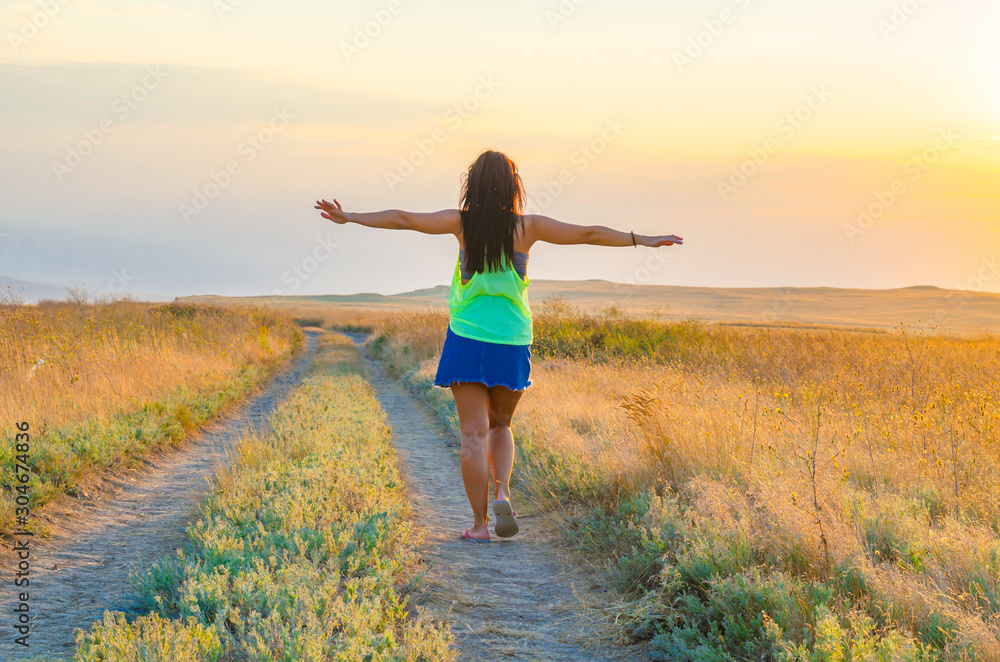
{"points": [[31, 291], [918, 306]]}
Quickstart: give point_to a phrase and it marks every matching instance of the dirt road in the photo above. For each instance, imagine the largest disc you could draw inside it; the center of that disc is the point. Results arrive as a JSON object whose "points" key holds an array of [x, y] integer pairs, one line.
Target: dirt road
{"points": [[514, 599], [124, 526]]}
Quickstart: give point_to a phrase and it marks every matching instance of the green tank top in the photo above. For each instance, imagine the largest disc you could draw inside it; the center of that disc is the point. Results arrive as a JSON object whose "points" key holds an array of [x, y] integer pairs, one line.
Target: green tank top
{"points": [[492, 307]]}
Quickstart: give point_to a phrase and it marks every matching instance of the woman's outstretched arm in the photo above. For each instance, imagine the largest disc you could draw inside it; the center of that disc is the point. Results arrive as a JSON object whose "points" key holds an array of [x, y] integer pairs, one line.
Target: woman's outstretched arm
{"points": [[556, 232], [447, 221]]}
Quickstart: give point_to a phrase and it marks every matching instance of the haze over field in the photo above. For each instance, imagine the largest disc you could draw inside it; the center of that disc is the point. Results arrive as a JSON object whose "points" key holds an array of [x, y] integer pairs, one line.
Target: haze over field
{"points": [[177, 148], [922, 308]]}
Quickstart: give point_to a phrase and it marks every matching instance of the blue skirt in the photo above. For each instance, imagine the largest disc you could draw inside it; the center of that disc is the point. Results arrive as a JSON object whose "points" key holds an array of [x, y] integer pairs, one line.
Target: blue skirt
{"points": [[493, 364]]}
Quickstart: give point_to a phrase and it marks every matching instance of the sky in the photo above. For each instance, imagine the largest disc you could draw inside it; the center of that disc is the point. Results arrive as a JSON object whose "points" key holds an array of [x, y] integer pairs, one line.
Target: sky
{"points": [[178, 148]]}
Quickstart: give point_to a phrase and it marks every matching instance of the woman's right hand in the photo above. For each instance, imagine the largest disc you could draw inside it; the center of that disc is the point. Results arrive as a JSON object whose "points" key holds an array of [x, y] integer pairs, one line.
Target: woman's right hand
{"points": [[664, 240], [333, 211]]}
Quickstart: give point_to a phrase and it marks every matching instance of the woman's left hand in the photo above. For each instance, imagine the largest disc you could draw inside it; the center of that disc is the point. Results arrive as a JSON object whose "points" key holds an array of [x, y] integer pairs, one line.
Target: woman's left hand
{"points": [[333, 211], [666, 240]]}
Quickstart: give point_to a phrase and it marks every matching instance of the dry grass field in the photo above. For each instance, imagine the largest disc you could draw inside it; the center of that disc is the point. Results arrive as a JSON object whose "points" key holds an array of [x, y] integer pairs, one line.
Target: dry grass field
{"points": [[761, 493], [929, 308], [100, 384], [756, 489]]}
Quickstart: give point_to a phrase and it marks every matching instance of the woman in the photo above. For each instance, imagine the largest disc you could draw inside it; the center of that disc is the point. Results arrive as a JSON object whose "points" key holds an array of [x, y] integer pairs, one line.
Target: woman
{"points": [[486, 359]]}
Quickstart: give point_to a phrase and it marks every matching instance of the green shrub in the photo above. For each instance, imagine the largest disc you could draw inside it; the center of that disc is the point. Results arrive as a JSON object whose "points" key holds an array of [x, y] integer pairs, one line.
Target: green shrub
{"points": [[149, 638]]}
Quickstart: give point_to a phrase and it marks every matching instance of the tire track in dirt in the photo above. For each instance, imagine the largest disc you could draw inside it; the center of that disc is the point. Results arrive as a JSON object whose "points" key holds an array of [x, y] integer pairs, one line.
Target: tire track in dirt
{"points": [[516, 598], [125, 524]]}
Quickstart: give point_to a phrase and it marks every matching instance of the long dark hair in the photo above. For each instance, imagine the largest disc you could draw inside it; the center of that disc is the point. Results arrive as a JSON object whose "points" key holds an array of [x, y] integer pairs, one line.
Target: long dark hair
{"points": [[492, 202]]}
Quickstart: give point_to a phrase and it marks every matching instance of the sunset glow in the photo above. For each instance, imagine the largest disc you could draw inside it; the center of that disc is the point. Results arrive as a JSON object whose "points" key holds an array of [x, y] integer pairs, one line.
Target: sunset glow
{"points": [[849, 145]]}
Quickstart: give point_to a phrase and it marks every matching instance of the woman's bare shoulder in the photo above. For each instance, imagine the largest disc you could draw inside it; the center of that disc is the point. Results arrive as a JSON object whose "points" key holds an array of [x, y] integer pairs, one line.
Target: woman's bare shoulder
{"points": [[526, 237]]}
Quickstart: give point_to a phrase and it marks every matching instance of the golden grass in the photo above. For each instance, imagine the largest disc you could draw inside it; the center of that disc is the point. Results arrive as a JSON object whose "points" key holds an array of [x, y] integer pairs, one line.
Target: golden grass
{"points": [[101, 385], [61, 363], [829, 454], [930, 307], [303, 551]]}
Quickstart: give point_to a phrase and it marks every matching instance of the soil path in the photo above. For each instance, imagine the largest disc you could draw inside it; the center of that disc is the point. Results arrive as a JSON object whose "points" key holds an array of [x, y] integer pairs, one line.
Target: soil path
{"points": [[516, 598], [124, 525]]}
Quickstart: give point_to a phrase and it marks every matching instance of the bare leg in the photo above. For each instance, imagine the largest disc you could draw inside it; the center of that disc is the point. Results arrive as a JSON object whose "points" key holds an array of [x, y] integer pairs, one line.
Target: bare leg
{"points": [[500, 442], [500, 452], [472, 404]]}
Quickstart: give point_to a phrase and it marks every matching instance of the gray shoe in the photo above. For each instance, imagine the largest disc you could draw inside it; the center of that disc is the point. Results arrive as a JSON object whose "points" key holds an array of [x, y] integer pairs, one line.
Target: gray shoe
{"points": [[506, 525]]}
